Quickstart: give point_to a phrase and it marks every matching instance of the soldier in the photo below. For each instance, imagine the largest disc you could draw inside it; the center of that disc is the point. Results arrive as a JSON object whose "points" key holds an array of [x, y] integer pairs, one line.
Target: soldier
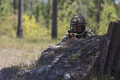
{"points": [[77, 29]]}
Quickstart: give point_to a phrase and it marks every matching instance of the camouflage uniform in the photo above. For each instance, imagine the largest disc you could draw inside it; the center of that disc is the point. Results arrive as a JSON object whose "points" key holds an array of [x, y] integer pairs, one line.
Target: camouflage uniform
{"points": [[83, 36], [76, 22]]}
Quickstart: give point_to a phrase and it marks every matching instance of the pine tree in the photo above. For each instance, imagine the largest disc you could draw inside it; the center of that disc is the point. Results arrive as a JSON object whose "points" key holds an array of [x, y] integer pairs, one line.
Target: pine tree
{"points": [[20, 14], [54, 19]]}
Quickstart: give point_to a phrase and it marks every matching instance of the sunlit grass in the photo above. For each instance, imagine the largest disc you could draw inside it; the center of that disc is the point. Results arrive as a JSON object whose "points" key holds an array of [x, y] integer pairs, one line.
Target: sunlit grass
{"points": [[15, 51]]}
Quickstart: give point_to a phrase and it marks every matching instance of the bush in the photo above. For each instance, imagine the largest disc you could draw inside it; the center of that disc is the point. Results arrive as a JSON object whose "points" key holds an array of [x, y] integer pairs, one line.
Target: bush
{"points": [[33, 29]]}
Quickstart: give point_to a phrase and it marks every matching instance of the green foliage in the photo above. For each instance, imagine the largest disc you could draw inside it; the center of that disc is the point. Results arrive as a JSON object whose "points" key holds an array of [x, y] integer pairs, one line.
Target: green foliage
{"points": [[6, 18], [8, 26], [33, 29], [5, 7], [108, 14], [65, 12], [38, 16], [103, 77]]}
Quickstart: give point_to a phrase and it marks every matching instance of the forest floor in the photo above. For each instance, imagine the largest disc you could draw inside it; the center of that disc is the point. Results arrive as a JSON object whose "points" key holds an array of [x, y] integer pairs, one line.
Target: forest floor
{"points": [[15, 51]]}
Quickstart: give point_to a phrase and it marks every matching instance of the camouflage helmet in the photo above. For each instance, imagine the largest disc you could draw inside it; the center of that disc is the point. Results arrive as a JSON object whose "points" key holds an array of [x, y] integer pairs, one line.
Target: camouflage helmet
{"points": [[78, 20]]}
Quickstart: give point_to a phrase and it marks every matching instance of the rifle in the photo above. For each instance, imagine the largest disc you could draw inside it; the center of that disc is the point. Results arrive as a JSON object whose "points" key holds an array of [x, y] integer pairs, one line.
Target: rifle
{"points": [[72, 34]]}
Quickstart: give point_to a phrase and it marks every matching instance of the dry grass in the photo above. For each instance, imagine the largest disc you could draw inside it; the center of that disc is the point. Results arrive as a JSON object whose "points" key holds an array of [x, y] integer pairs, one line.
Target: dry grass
{"points": [[14, 51]]}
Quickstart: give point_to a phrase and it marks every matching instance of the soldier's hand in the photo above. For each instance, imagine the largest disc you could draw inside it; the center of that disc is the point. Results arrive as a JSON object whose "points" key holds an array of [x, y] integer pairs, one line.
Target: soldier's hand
{"points": [[71, 36]]}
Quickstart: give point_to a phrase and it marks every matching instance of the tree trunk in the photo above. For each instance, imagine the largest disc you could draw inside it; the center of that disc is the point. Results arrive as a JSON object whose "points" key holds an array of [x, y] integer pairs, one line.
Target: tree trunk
{"points": [[98, 14], [48, 14], [37, 14], [54, 20], [20, 13], [29, 7], [14, 6], [111, 52], [0, 7]]}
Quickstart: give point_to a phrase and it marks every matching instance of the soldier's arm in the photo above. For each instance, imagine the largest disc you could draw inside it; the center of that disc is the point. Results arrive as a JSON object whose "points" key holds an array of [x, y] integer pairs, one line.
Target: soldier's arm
{"points": [[89, 32], [68, 36], [65, 38]]}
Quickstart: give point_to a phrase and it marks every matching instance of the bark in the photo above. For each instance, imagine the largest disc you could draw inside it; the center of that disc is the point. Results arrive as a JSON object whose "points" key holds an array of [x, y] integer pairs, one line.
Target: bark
{"points": [[54, 19], [14, 6], [99, 9], [20, 14], [111, 51]]}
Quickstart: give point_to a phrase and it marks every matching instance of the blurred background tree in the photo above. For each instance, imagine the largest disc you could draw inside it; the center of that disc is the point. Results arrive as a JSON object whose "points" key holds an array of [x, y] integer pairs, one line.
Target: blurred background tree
{"points": [[37, 16], [54, 19], [20, 20]]}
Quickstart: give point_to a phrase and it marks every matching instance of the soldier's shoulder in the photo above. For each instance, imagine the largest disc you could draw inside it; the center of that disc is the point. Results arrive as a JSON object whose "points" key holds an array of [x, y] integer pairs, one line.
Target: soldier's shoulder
{"points": [[65, 38]]}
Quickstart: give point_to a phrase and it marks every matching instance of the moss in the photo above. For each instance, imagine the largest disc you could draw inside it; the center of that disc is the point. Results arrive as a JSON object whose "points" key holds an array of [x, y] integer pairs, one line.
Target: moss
{"points": [[101, 77], [73, 57]]}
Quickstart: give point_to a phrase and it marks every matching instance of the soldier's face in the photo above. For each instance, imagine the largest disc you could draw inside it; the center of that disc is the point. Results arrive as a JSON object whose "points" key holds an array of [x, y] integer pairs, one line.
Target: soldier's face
{"points": [[78, 29]]}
